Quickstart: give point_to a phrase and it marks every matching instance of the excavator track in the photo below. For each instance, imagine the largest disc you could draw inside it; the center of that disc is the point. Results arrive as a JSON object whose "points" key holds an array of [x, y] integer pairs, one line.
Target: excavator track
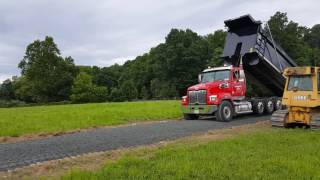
{"points": [[315, 122], [278, 118]]}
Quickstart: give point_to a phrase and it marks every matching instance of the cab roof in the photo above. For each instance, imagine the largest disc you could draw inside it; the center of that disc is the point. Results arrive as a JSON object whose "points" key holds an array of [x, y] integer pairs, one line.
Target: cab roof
{"points": [[217, 68]]}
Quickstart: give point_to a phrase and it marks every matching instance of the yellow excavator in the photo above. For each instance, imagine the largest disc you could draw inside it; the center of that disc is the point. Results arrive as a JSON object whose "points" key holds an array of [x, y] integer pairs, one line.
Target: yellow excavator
{"points": [[301, 99]]}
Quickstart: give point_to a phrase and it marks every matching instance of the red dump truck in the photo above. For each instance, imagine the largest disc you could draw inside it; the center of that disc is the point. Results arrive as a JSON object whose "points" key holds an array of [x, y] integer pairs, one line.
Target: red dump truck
{"points": [[250, 56]]}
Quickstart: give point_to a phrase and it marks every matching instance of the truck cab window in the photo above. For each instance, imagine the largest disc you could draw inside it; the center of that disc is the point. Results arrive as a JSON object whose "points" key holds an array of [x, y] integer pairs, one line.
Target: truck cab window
{"points": [[215, 76]]}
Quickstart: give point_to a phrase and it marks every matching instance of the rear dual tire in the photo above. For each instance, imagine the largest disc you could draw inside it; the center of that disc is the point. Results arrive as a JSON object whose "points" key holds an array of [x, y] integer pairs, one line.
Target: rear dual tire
{"points": [[258, 106], [277, 104], [269, 106], [266, 106]]}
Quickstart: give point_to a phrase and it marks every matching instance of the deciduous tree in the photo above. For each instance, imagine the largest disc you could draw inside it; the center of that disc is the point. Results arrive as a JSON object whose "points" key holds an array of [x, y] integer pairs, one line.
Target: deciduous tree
{"points": [[48, 75]]}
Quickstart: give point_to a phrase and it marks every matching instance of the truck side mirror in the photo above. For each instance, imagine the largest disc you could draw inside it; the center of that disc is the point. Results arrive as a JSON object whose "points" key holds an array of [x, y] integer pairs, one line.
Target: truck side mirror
{"points": [[199, 78]]}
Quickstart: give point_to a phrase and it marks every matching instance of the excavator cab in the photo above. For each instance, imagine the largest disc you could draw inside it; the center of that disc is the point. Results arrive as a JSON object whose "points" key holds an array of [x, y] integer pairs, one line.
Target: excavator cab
{"points": [[301, 98]]}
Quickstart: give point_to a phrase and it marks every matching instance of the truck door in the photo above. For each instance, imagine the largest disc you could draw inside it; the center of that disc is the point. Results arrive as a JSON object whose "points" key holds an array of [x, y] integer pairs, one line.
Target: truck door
{"points": [[238, 86]]}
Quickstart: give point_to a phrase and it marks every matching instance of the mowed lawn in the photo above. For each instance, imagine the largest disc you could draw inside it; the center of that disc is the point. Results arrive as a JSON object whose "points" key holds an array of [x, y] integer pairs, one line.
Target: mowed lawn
{"points": [[269, 154], [44, 119]]}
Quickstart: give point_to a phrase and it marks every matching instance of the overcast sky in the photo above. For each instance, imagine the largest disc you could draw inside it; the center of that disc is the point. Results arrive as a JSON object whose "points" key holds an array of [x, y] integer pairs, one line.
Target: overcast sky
{"points": [[104, 32]]}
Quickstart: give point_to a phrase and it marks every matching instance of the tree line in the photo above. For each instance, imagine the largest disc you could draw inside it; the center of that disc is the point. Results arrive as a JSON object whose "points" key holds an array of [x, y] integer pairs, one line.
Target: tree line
{"points": [[162, 73]]}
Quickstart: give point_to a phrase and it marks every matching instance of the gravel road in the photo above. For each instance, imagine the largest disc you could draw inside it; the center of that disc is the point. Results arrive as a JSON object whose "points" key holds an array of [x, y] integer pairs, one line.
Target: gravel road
{"points": [[29, 152]]}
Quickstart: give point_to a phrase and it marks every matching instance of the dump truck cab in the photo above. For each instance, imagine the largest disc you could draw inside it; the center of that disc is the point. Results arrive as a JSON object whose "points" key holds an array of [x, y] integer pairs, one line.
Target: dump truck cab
{"points": [[226, 83]]}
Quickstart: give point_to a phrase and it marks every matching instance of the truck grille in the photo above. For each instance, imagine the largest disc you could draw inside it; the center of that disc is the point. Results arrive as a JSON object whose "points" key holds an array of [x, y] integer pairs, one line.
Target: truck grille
{"points": [[197, 97]]}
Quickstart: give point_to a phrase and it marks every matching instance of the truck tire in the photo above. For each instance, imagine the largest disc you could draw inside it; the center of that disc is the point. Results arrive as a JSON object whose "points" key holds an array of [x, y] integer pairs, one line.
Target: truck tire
{"points": [[277, 104], [191, 116], [269, 106], [225, 112], [258, 106]]}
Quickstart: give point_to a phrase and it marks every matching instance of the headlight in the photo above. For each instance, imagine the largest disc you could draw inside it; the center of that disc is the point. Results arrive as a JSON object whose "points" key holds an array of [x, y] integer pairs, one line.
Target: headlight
{"points": [[213, 98]]}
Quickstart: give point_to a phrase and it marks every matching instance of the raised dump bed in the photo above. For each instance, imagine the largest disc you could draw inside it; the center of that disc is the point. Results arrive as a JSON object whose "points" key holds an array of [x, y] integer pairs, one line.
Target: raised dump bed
{"points": [[261, 57]]}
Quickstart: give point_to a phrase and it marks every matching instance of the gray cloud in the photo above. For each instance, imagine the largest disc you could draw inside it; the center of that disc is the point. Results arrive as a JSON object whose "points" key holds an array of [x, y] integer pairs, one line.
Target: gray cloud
{"points": [[102, 33]]}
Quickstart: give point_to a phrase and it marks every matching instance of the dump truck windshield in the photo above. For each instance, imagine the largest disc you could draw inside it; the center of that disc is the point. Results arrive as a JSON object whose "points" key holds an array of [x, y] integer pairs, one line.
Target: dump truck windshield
{"points": [[215, 76], [300, 83]]}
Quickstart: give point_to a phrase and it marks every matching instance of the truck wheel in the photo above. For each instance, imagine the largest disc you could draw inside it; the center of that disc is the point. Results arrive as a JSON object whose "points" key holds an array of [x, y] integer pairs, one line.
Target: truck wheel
{"points": [[191, 116], [224, 112], [269, 106], [277, 104], [258, 107]]}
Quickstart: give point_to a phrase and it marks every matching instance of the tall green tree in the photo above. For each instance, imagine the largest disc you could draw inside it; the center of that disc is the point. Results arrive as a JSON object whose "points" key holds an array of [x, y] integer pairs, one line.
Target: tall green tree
{"points": [[291, 37], [7, 90], [216, 42], [144, 93], [163, 90], [129, 90], [49, 75], [313, 39], [22, 89], [178, 61], [116, 95]]}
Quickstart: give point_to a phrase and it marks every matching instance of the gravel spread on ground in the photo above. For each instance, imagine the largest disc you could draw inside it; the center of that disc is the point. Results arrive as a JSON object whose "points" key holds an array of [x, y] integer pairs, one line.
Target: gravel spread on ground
{"points": [[25, 153]]}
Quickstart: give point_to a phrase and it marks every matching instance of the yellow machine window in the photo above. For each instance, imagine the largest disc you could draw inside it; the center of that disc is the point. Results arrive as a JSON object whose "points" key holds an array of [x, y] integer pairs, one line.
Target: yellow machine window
{"points": [[300, 83], [318, 81]]}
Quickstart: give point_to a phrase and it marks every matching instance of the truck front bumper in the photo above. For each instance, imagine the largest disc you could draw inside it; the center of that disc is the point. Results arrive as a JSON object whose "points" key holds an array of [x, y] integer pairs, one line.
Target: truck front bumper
{"points": [[199, 109]]}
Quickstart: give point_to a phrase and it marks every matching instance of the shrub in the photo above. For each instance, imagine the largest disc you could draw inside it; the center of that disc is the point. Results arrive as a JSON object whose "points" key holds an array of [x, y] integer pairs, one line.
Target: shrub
{"points": [[83, 90], [11, 103]]}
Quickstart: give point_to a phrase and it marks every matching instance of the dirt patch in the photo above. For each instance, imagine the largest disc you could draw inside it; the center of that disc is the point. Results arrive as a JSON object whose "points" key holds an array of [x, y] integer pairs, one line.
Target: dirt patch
{"points": [[29, 137], [93, 161]]}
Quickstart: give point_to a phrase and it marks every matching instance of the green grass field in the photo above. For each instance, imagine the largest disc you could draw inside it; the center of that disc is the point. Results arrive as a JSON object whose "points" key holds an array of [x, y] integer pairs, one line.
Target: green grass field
{"points": [[44, 119], [268, 154]]}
